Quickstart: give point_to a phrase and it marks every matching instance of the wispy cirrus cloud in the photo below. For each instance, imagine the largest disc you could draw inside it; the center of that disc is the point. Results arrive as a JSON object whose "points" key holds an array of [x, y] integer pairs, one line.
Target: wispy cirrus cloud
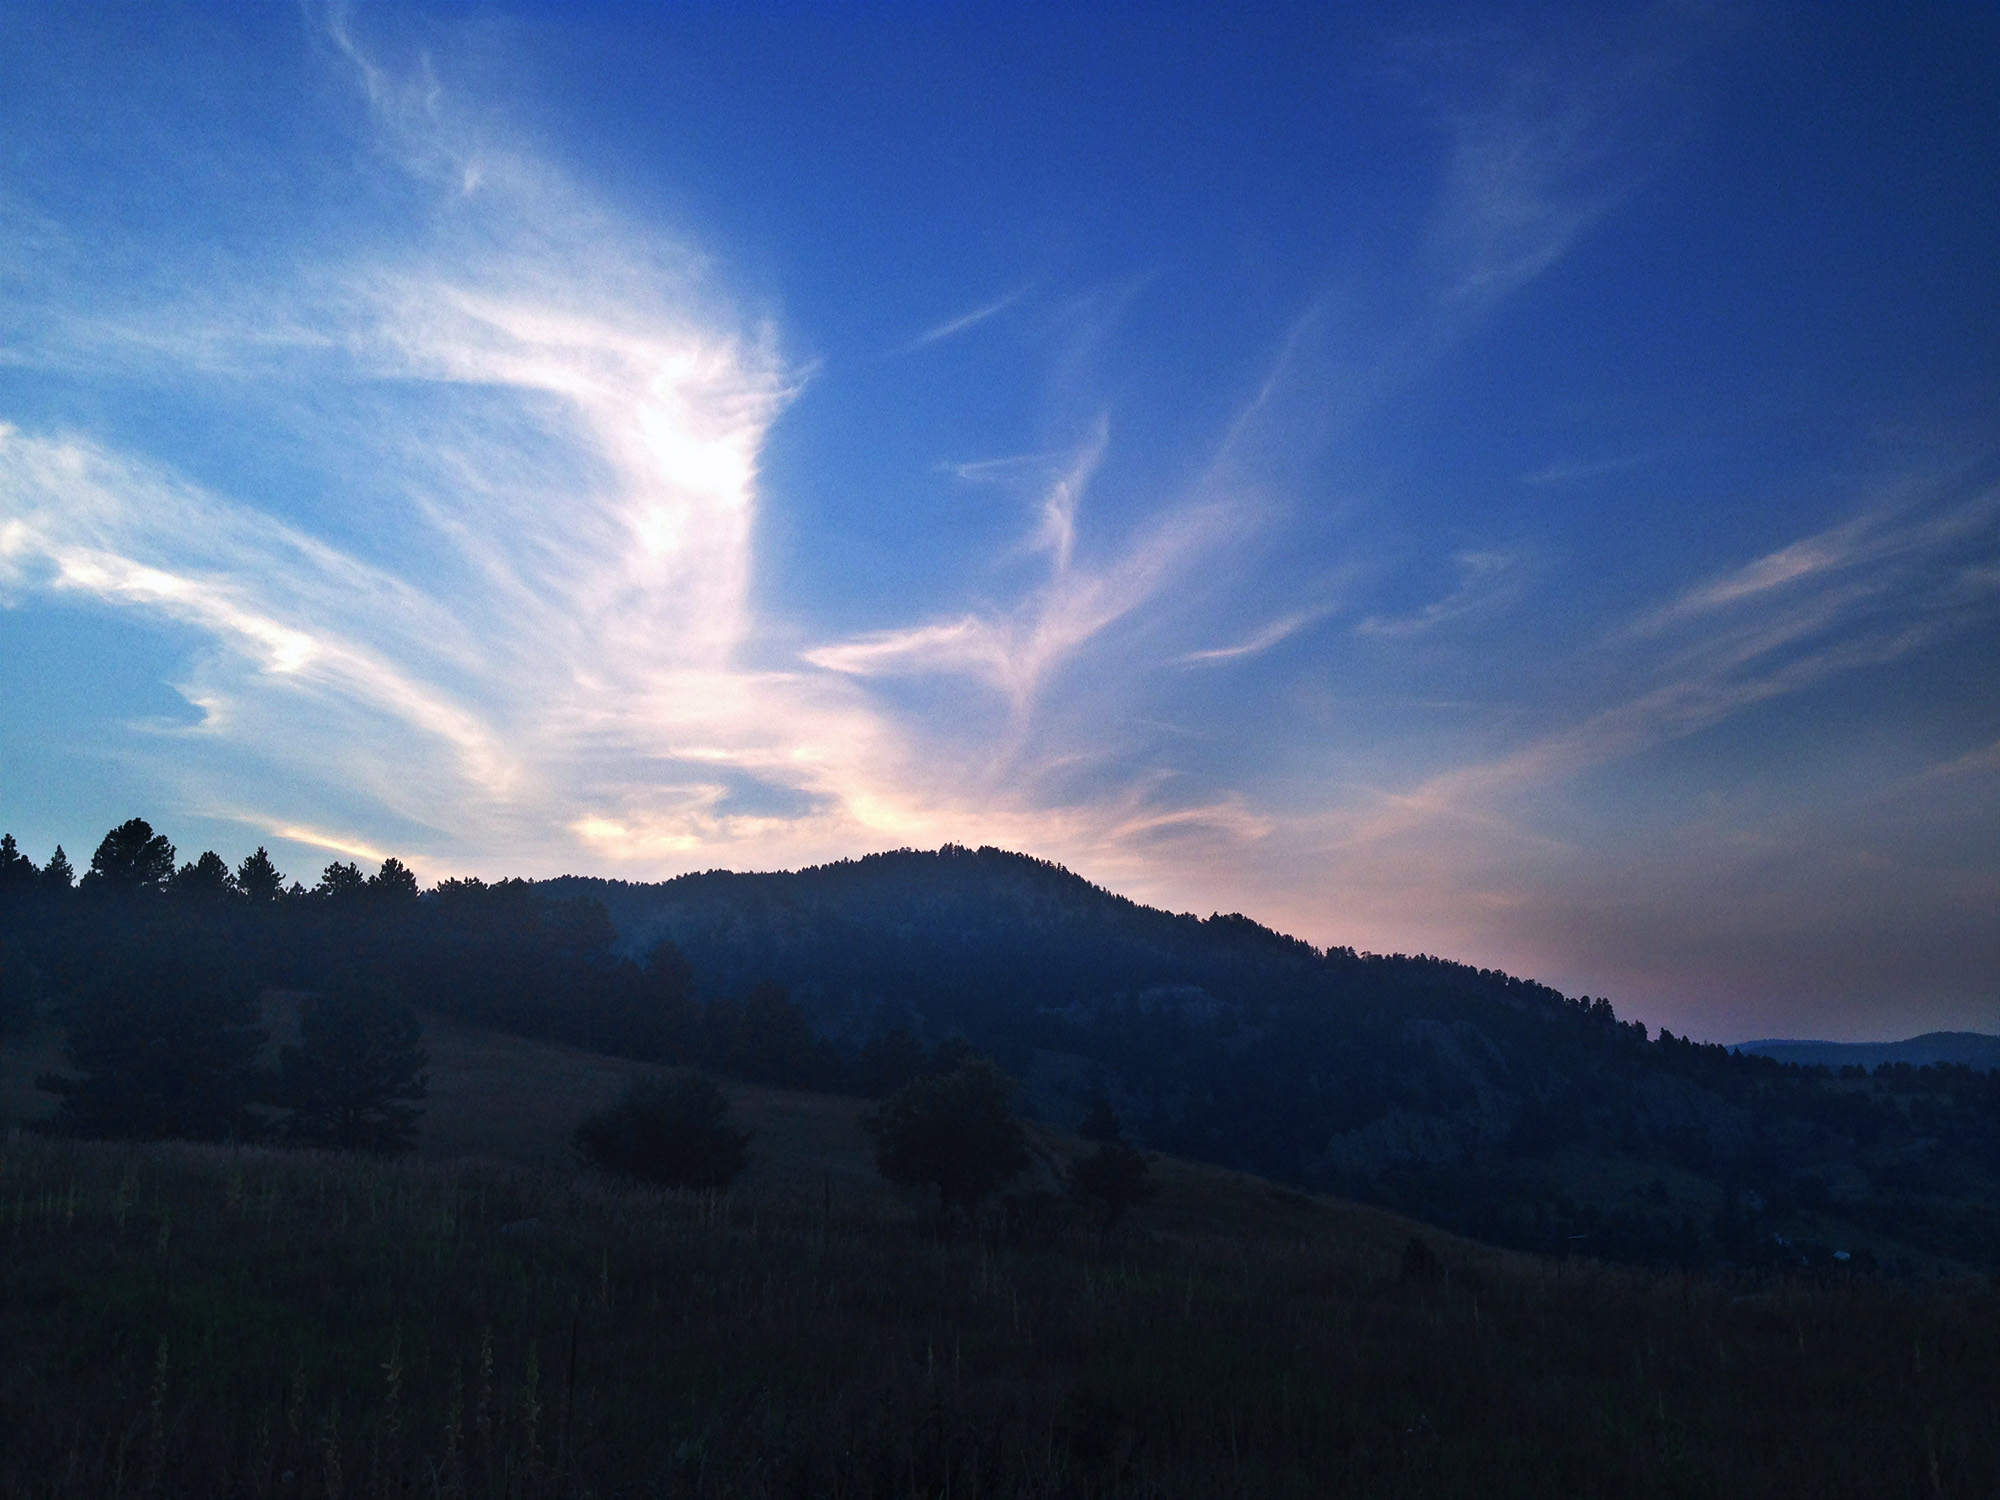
{"points": [[1873, 590], [538, 644], [1281, 629], [1487, 580], [1014, 650], [952, 327]]}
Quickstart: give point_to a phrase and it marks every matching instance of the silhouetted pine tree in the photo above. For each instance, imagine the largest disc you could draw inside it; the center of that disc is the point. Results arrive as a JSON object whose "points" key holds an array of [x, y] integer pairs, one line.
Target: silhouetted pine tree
{"points": [[258, 878], [165, 1039], [356, 1081], [1115, 1176], [17, 872], [204, 879], [131, 860]]}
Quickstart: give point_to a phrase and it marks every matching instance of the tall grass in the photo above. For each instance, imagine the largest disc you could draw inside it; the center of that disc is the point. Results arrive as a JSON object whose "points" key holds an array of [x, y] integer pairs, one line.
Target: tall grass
{"points": [[183, 1321]]}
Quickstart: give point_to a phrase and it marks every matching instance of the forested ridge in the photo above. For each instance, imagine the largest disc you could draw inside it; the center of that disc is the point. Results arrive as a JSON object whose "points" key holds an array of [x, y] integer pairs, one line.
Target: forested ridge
{"points": [[1475, 1099]]}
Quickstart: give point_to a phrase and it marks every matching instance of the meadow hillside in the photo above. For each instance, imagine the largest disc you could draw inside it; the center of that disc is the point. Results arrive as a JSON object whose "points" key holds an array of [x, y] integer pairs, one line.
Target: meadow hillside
{"points": [[485, 1319], [1481, 1102]]}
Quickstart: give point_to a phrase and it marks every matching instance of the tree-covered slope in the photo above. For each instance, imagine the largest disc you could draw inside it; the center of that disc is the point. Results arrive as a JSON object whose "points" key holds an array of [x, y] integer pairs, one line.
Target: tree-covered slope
{"points": [[1473, 1097]]}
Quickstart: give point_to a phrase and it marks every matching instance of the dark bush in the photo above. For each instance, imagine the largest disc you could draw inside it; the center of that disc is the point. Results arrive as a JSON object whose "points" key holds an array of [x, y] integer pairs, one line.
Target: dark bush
{"points": [[1113, 1178], [670, 1131], [955, 1131]]}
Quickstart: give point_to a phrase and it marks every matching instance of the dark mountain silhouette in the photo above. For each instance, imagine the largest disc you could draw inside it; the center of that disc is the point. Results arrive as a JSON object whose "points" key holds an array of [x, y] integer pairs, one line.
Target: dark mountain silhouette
{"points": [[1470, 1097], [1474, 1099], [1972, 1049]]}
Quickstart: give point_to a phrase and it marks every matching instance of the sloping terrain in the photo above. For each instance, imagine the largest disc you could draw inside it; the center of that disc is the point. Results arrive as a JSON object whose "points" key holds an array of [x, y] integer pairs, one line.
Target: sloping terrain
{"points": [[210, 1320], [1470, 1098]]}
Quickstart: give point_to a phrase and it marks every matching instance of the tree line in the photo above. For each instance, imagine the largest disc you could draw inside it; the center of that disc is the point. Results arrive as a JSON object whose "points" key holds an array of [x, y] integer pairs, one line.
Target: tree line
{"points": [[156, 972], [140, 941]]}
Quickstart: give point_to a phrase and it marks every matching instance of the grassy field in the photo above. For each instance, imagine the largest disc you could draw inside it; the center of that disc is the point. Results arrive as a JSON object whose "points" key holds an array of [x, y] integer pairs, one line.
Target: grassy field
{"points": [[482, 1320]]}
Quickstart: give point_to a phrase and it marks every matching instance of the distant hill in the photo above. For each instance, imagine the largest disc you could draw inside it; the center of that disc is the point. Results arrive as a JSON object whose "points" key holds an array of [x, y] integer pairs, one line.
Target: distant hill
{"points": [[1970, 1049], [1475, 1099]]}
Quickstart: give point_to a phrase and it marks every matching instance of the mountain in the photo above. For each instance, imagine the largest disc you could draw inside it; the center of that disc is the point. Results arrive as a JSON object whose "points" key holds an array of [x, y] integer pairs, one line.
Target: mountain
{"points": [[1471, 1098], [1970, 1049]]}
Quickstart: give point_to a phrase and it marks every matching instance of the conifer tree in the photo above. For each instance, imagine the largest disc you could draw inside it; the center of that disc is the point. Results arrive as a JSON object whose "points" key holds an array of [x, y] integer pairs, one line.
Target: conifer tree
{"points": [[131, 860], [356, 1081], [17, 871], [165, 1041], [204, 879], [1115, 1176], [258, 878]]}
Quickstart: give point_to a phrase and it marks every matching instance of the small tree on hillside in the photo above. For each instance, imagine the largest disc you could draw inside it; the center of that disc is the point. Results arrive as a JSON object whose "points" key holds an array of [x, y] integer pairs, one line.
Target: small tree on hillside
{"points": [[356, 1081], [648, 1010], [766, 1038], [672, 1132], [1115, 1176], [954, 1131]]}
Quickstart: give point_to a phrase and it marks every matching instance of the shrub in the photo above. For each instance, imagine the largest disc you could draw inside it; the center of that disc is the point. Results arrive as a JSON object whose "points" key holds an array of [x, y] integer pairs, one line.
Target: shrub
{"points": [[1114, 1177], [953, 1131], [673, 1132]]}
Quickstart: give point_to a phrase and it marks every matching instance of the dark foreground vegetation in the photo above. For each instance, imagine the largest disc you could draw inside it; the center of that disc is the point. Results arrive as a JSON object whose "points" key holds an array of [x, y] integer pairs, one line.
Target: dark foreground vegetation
{"points": [[180, 1320]]}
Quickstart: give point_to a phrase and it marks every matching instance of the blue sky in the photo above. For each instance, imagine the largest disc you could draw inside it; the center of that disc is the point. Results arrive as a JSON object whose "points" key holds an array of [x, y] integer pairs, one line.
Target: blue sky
{"points": [[1521, 483]]}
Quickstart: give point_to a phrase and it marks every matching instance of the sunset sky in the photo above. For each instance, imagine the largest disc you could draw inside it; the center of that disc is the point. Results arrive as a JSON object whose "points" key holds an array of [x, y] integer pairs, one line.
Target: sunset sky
{"points": [[1520, 483]]}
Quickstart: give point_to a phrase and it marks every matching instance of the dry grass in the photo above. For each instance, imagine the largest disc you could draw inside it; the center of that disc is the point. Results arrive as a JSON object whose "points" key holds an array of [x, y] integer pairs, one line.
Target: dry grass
{"points": [[204, 1321]]}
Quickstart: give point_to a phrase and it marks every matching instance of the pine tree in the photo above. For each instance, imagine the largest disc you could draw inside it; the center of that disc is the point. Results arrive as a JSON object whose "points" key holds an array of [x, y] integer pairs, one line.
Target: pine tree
{"points": [[1116, 1175], [204, 879], [17, 871], [343, 884], [258, 878], [356, 1080], [131, 860], [395, 884], [165, 1040]]}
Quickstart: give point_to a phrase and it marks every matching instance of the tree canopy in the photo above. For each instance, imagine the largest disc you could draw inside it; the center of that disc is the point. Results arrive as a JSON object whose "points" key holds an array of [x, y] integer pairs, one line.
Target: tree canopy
{"points": [[953, 1131]]}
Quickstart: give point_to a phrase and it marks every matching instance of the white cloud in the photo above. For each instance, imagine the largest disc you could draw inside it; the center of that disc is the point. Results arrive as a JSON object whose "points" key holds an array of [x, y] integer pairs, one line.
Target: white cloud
{"points": [[1280, 629], [1015, 650], [532, 651], [952, 327], [1487, 580]]}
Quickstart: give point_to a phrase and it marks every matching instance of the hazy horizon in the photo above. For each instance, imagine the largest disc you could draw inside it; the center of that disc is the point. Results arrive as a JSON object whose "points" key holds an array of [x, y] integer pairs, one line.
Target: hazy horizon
{"points": [[1520, 484]]}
